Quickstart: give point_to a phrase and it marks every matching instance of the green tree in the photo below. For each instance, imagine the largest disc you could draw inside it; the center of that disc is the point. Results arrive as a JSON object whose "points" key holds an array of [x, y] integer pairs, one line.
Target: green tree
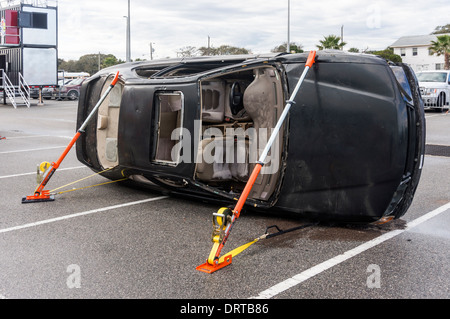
{"points": [[69, 66], [110, 60], [331, 42], [354, 50], [187, 51], [442, 29], [223, 50], [442, 47], [387, 54], [294, 47], [89, 63]]}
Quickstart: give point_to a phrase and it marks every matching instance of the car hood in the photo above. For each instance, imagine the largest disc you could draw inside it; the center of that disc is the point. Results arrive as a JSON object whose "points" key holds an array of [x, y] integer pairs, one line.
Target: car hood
{"points": [[434, 85], [68, 87]]}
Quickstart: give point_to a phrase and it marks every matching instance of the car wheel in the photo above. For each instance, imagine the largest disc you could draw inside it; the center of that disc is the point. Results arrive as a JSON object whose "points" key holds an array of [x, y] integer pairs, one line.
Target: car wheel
{"points": [[72, 95], [444, 102], [440, 102]]}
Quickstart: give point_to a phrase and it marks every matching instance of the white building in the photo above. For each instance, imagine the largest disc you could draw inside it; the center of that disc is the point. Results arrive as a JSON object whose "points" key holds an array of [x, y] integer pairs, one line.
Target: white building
{"points": [[415, 51]]}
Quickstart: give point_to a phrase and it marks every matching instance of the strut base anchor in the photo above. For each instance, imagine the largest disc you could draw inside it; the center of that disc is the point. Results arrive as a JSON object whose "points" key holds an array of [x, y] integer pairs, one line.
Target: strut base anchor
{"points": [[38, 198], [209, 269]]}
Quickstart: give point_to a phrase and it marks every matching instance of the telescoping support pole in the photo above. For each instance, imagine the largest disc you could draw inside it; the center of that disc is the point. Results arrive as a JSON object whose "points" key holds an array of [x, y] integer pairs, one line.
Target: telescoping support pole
{"points": [[225, 219], [41, 195]]}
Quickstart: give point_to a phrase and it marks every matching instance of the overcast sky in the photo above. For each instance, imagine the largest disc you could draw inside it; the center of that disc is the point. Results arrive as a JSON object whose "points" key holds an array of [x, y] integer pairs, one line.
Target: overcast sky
{"points": [[88, 26]]}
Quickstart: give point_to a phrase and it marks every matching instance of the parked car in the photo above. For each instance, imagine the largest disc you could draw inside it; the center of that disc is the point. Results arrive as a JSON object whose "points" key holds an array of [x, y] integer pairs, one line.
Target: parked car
{"points": [[351, 150], [46, 93], [435, 89], [70, 90]]}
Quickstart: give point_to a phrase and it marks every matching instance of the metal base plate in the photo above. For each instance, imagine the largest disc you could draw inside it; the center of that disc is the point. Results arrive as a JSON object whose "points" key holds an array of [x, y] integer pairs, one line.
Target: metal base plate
{"points": [[38, 199], [209, 269]]}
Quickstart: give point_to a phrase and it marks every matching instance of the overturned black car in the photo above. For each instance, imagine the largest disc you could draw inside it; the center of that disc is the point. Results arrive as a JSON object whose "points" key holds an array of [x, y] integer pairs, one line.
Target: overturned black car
{"points": [[351, 150]]}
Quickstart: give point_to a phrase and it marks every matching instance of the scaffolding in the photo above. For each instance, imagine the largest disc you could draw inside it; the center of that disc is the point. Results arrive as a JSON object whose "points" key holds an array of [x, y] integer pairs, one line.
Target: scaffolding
{"points": [[28, 50]]}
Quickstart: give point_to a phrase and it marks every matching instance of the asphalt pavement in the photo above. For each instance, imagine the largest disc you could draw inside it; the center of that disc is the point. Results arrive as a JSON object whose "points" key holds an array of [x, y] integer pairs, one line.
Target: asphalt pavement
{"points": [[117, 242]]}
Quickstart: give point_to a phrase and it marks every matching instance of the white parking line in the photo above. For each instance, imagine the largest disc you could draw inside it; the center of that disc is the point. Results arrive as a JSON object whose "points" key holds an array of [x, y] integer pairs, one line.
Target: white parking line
{"points": [[435, 115], [54, 119], [65, 217], [311, 272], [34, 173], [33, 149]]}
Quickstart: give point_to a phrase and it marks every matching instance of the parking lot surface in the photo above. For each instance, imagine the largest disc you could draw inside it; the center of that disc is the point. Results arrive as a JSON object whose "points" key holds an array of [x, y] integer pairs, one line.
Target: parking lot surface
{"points": [[115, 241]]}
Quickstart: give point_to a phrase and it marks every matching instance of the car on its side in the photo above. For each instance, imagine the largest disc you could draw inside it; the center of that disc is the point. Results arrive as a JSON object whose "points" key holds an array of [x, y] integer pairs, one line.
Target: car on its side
{"points": [[351, 149], [435, 89]]}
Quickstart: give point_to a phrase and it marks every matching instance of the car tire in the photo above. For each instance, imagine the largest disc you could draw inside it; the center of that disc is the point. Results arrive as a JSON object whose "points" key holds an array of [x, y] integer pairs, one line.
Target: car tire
{"points": [[440, 103], [72, 95]]}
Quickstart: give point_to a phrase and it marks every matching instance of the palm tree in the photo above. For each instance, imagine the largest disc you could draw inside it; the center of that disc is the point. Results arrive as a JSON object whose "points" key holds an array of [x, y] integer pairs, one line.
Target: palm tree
{"points": [[331, 42], [442, 46]]}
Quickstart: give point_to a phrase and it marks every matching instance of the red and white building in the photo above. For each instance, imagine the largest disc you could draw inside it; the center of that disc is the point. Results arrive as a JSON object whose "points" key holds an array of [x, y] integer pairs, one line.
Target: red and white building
{"points": [[28, 47]]}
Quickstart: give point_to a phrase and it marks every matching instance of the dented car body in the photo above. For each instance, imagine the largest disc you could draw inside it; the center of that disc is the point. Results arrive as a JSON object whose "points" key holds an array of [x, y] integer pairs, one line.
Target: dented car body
{"points": [[351, 149]]}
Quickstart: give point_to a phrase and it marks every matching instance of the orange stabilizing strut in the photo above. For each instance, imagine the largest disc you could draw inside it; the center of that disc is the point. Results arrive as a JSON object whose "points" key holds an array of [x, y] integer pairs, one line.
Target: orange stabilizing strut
{"points": [[224, 220], [41, 195]]}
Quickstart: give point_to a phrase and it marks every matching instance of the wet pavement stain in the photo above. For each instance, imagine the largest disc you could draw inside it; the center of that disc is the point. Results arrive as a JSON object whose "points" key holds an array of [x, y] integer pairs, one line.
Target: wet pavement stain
{"points": [[333, 232]]}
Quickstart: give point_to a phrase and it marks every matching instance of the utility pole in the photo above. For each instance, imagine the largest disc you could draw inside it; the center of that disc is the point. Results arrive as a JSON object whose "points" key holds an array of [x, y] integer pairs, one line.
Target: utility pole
{"points": [[342, 36], [151, 51], [288, 46], [209, 45], [128, 34]]}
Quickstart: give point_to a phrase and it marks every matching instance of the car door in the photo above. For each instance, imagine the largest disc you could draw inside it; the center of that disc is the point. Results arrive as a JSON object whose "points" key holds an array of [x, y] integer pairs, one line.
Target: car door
{"points": [[155, 120]]}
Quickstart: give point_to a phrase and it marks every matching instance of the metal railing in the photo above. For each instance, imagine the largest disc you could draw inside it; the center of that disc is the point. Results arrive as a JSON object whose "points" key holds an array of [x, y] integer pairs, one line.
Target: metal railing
{"points": [[11, 91], [5, 39], [24, 90]]}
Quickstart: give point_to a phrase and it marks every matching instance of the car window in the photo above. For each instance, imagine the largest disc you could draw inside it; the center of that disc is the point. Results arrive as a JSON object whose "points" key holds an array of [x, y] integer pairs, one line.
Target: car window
{"points": [[76, 82], [402, 80], [432, 76]]}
